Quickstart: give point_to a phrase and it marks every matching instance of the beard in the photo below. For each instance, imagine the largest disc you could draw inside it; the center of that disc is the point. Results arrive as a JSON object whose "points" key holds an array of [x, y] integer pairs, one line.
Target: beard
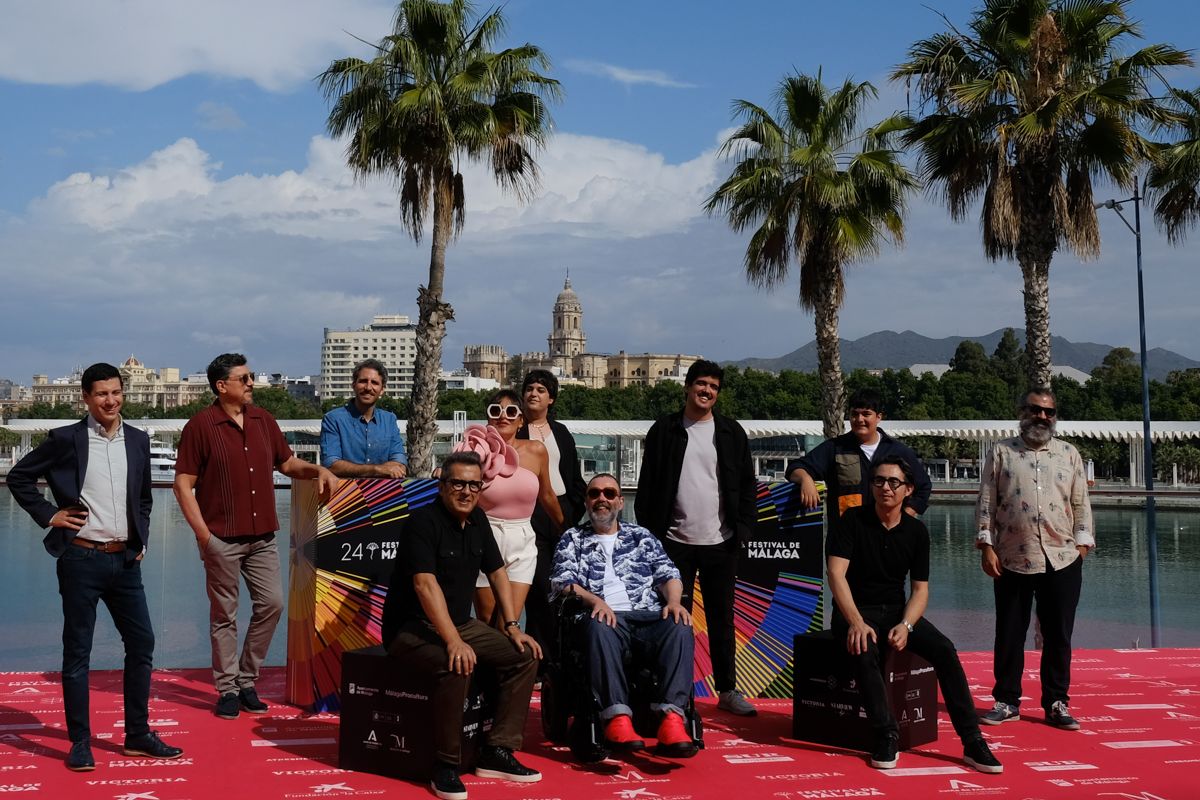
{"points": [[1036, 430], [603, 518]]}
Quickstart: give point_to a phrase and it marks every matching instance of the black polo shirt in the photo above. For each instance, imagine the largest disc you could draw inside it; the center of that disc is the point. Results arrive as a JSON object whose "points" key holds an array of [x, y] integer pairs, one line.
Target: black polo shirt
{"points": [[435, 542], [880, 559]]}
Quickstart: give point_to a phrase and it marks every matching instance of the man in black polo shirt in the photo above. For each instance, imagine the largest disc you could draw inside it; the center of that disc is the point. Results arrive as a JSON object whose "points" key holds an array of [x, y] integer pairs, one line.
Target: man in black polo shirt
{"points": [[427, 621], [870, 552]]}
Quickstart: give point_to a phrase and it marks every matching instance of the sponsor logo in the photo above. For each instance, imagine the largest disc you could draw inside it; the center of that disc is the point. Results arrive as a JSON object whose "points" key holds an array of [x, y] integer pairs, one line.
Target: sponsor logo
{"points": [[404, 695], [330, 771], [136, 782], [19, 787], [912, 694], [1058, 766], [757, 758], [633, 776], [632, 794], [330, 788], [126, 763], [1143, 744], [920, 671], [833, 794], [14, 767], [360, 690], [137, 796], [800, 776]]}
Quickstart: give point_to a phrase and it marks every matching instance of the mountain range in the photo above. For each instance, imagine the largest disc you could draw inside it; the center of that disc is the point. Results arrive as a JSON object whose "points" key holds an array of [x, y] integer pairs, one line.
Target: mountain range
{"points": [[891, 350]]}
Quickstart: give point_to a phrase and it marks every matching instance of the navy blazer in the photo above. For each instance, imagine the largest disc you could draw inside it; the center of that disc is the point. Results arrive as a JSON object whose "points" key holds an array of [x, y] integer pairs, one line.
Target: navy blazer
{"points": [[61, 460]]}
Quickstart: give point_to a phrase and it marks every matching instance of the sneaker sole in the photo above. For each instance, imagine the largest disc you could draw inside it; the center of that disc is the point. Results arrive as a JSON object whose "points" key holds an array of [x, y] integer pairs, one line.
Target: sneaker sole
{"points": [[218, 714], [885, 764], [442, 795], [753, 712], [1072, 727], [676, 750], [130, 752], [625, 747], [262, 710], [987, 721], [985, 768], [507, 776], [85, 768]]}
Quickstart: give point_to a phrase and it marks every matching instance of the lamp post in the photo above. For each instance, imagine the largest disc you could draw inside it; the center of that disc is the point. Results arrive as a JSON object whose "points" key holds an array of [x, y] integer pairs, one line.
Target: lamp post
{"points": [[1147, 456]]}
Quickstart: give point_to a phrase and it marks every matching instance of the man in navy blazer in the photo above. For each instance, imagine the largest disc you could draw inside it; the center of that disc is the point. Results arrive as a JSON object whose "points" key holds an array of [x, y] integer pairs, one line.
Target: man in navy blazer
{"points": [[98, 534]]}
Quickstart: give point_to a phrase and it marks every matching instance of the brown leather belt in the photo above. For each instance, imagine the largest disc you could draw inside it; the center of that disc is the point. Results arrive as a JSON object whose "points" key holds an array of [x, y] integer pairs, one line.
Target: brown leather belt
{"points": [[103, 547]]}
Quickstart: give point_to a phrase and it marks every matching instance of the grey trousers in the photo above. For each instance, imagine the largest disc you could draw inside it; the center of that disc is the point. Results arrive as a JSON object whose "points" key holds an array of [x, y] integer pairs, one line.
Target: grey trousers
{"points": [[256, 560]]}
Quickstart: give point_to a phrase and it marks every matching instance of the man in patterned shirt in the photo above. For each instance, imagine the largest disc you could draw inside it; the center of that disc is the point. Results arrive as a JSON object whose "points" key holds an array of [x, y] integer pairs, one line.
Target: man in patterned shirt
{"points": [[1034, 531], [622, 573]]}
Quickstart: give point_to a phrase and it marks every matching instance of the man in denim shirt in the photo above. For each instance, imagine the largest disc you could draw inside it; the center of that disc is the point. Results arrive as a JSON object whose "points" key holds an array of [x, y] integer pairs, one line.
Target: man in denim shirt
{"points": [[359, 440], [623, 574]]}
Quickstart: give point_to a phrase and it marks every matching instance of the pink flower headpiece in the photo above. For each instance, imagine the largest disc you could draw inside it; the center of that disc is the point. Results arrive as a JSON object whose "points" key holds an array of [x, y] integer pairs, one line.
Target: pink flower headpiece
{"points": [[499, 458]]}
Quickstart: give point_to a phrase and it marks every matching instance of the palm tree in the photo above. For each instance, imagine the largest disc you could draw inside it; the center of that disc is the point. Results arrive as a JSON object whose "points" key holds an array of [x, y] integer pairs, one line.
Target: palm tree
{"points": [[1174, 179], [1025, 110], [433, 96], [814, 198]]}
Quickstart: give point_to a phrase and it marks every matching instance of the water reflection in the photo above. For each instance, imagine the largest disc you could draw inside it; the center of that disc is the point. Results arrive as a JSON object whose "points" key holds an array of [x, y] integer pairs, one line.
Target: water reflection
{"points": [[1114, 609]]}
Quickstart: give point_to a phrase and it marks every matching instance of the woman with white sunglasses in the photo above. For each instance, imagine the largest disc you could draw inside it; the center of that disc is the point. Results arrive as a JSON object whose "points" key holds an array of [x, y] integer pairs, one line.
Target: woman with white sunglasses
{"points": [[516, 474]]}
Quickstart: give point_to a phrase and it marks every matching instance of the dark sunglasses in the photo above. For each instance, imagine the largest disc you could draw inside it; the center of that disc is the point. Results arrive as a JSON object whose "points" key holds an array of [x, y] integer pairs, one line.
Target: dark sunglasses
{"points": [[246, 379], [892, 483], [1033, 409], [609, 493], [495, 411], [459, 485]]}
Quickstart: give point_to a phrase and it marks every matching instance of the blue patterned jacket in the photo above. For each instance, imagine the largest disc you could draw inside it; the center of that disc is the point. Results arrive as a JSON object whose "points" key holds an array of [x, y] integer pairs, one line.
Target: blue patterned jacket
{"points": [[638, 560]]}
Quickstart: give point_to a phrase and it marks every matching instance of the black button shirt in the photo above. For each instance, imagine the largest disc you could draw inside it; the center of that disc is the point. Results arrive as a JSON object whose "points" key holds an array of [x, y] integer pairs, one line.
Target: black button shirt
{"points": [[880, 559], [435, 542]]}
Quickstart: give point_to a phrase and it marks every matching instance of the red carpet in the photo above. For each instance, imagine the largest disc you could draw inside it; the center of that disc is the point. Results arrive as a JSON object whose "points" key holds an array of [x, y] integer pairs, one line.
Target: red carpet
{"points": [[1140, 740]]}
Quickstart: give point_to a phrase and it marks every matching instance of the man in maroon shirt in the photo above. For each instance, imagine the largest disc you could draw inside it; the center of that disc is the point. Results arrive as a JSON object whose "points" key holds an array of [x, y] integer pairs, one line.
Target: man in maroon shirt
{"points": [[225, 488]]}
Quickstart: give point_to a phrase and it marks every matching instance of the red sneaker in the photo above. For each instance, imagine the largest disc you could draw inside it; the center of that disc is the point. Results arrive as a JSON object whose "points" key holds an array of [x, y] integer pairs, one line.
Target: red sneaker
{"points": [[673, 737], [620, 735]]}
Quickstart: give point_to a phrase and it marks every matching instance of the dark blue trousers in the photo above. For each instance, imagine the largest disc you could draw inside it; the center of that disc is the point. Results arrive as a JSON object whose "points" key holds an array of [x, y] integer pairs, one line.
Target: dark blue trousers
{"points": [[86, 577], [663, 644]]}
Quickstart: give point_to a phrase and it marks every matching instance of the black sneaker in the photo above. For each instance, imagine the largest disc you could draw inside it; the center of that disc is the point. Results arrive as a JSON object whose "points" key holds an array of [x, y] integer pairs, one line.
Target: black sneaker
{"points": [[498, 762], [149, 745], [445, 782], [1058, 716], [80, 758], [977, 754], [250, 702], [886, 752], [1001, 713], [228, 706]]}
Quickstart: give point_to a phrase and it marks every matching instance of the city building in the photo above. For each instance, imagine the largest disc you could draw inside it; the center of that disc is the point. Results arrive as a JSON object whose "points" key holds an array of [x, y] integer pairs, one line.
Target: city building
{"points": [[161, 388], [461, 379], [568, 358], [390, 338]]}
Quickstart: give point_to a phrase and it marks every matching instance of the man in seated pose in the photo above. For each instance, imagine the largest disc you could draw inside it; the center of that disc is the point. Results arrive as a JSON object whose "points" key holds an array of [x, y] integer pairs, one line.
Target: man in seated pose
{"points": [[623, 575], [427, 621], [359, 440], [870, 553]]}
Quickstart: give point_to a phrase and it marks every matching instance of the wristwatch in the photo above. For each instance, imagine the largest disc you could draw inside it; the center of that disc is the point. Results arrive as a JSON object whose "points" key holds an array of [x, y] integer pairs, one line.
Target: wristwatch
{"points": [[512, 623], [910, 627]]}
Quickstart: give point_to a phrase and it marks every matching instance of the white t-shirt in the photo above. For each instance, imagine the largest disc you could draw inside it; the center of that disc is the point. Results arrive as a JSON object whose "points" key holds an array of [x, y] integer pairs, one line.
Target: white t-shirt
{"points": [[614, 591], [698, 516], [869, 449], [556, 480]]}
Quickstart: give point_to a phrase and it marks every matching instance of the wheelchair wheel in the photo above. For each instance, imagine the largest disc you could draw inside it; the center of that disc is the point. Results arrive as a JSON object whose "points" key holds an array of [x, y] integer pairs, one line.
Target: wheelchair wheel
{"points": [[584, 740], [695, 725], [555, 710]]}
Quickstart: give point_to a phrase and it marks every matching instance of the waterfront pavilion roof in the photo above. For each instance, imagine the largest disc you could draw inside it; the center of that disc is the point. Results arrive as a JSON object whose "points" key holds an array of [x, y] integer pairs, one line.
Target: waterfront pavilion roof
{"points": [[969, 430]]}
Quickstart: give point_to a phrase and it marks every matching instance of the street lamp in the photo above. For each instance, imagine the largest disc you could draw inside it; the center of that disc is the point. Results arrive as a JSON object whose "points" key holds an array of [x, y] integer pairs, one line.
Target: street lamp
{"points": [[1147, 457]]}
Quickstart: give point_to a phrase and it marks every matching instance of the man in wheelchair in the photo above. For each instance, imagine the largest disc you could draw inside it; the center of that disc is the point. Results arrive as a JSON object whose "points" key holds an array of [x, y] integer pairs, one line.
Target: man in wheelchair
{"points": [[623, 576]]}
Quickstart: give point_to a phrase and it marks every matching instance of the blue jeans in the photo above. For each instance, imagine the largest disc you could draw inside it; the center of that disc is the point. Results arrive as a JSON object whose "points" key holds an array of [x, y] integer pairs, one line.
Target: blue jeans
{"points": [[662, 643], [86, 577]]}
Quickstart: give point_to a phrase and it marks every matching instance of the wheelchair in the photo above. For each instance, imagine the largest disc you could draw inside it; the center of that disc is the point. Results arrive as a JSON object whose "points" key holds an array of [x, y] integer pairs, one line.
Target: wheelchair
{"points": [[570, 709]]}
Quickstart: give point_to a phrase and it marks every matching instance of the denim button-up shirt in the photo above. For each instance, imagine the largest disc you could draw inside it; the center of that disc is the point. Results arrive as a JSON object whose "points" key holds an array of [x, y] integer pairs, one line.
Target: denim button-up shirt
{"points": [[639, 561], [346, 436]]}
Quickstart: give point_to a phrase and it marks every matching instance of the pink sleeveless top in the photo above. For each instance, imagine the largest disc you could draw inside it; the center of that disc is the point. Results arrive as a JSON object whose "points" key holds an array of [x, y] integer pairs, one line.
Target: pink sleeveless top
{"points": [[511, 498]]}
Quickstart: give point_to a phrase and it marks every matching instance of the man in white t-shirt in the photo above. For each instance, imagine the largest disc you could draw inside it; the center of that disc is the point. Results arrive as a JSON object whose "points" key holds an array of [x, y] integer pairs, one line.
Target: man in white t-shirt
{"points": [[622, 573], [697, 493]]}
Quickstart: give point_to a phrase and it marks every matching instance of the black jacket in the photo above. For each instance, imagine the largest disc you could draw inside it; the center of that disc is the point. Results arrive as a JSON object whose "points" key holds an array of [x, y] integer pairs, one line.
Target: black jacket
{"points": [[62, 461], [571, 503], [662, 463]]}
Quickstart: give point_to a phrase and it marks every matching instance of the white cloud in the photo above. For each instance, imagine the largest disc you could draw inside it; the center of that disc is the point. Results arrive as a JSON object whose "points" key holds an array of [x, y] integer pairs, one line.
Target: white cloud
{"points": [[218, 117], [626, 75], [140, 44]]}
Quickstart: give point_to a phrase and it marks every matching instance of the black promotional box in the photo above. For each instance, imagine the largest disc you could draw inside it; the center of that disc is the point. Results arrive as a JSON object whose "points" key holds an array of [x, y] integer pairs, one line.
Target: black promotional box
{"points": [[826, 707], [387, 717]]}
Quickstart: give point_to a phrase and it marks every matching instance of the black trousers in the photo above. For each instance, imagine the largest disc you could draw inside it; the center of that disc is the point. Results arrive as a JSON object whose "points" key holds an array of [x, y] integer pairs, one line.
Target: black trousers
{"points": [[927, 642], [717, 566], [540, 622], [1057, 596]]}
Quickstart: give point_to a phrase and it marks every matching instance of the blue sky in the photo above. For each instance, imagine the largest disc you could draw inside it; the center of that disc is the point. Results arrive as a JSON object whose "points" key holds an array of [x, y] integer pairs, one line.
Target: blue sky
{"points": [[167, 189]]}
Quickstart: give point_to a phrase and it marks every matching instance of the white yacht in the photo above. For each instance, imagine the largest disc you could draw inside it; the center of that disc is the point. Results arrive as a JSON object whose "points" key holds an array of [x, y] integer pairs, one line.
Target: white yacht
{"points": [[162, 462]]}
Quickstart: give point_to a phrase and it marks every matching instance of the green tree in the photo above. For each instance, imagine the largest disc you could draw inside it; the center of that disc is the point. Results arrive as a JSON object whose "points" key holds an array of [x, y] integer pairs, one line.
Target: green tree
{"points": [[436, 95], [1024, 111], [811, 196], [1008, 363], [1174, 180], [970, 359]]}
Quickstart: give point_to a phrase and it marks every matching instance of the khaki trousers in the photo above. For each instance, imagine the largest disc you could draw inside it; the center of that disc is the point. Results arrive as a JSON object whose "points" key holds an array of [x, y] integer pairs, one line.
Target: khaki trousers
{"points": [[256, 560]]}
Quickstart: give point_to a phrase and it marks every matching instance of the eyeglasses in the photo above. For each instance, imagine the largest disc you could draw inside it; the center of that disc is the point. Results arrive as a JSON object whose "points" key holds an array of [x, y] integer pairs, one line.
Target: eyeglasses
{"points": [[1033, 409], [495, 411], [459, 485], [609, 493], [246, 378], [892, 483]]}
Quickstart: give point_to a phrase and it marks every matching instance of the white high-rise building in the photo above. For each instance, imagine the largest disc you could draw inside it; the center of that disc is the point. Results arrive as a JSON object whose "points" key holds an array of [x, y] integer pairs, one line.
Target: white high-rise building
{"points": [[390, 338]]}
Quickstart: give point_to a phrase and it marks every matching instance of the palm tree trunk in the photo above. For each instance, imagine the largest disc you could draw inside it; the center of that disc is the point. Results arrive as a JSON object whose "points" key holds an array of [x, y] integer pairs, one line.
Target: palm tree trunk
{"points": [[1037, 320], [431, 332], [829, 357]]}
